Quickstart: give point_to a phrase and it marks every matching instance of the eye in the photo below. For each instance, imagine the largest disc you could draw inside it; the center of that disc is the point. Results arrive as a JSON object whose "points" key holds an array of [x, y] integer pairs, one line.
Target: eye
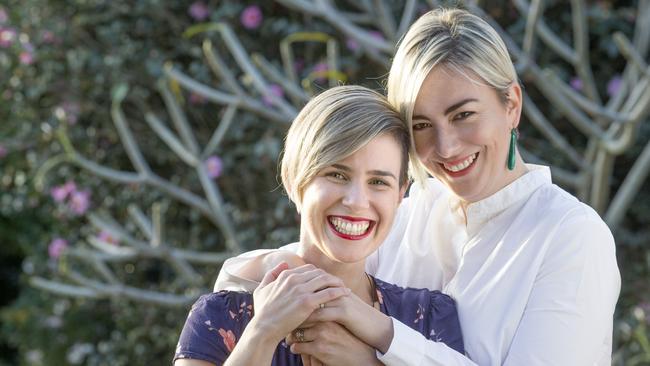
{"points": [[421, 126], [379, 182], [336, 175], [463, 115]]}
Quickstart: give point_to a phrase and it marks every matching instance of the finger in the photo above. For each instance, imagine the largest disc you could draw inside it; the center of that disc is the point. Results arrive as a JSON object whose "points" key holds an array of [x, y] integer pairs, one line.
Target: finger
{"points": [[306, 360], [315, 361], [327, 313], [273, 274], [324, 280], [324, 296]]}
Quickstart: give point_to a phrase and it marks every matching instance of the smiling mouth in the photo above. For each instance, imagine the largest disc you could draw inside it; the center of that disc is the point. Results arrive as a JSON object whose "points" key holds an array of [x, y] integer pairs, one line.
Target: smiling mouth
{"points": [[349, 227], [460, 167]]}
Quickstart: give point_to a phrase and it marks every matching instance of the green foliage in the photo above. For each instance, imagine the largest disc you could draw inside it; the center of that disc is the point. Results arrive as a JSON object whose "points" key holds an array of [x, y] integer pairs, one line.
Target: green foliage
{"points": [[81, 51]]}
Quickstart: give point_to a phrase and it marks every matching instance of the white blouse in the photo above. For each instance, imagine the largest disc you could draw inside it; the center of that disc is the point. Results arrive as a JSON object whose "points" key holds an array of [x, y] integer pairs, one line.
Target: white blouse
{"points": [[533, 272]]}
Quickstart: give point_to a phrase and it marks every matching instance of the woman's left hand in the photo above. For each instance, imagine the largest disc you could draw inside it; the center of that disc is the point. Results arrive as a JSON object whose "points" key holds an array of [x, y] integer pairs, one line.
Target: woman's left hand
{"points": [[330, 343], [366, 323]]}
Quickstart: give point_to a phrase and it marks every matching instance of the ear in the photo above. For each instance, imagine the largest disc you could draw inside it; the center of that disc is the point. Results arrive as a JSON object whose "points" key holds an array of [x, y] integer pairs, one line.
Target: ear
{"points": [[514, 105]]}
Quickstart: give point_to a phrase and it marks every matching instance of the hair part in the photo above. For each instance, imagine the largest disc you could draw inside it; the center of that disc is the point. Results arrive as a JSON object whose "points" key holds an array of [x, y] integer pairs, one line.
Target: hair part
{"points": [[458, 41], [334, 125]]}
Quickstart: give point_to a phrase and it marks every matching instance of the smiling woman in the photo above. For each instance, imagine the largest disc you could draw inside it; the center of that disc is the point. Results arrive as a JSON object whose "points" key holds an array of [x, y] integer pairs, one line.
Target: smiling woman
{"points": [[344, 166], [532, 269]]}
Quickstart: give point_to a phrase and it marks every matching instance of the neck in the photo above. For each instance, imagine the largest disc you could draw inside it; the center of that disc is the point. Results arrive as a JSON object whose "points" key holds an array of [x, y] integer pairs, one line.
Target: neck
{"points": [[353, 275], [518, 172]]}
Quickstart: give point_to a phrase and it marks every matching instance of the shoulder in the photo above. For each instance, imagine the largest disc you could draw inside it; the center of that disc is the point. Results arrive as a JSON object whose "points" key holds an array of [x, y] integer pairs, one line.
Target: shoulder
{"points": [[397, 299], [233, 304], [568, 217], [432, 313]]}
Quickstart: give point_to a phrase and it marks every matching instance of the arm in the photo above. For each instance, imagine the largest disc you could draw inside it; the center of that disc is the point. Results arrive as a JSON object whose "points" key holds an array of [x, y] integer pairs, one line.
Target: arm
{"points": [[569, 314]]}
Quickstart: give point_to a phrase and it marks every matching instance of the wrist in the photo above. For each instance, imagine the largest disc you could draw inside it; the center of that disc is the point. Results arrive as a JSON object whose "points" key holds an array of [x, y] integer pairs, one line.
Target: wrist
{"points": [[262, 334], [384, 333]]}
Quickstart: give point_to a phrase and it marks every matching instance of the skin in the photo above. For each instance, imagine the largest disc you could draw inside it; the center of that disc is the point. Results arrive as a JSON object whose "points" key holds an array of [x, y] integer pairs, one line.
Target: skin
{"points": [[454, 118], [362, 188]]}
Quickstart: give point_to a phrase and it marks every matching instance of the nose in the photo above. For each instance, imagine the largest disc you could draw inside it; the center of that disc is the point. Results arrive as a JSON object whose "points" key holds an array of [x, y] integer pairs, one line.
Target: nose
{"points": [[356, 197], [446, 143]]}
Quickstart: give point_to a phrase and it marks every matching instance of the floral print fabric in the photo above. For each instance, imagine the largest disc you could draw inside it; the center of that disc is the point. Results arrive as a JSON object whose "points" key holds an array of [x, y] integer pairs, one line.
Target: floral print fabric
{"points": [[217, 320]]}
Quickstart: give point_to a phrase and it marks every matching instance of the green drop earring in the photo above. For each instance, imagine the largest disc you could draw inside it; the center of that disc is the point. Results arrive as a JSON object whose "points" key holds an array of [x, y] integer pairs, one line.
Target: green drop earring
{"points": [[513, 149]]}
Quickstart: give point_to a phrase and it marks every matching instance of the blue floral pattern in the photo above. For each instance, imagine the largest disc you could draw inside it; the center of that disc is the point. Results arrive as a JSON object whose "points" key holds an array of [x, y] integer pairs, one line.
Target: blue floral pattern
{"points": [[217, 320]]}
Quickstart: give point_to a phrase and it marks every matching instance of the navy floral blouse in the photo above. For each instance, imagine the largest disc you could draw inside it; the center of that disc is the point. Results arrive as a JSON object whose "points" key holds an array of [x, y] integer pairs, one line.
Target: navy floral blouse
{"points": [[217, 320]]}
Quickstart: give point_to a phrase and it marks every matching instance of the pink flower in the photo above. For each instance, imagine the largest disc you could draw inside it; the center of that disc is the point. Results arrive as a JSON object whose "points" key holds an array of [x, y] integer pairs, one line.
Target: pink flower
{"points": [[3, 16], [199, 11], [3, 151], [214, 166], [197, 99], [274, 90], [105, 236], [56, 247], [320, 71], [251, 17], [60, 193], [228, 339], [26, 58], [7, 37], [576, 83], [614, 85], [377, 35], [48, 37], [79, 202], [352, 44]]}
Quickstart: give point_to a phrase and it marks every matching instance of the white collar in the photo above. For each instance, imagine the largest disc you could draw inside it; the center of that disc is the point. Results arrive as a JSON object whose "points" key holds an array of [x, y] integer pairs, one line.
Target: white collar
{"points": [[478, 213]]}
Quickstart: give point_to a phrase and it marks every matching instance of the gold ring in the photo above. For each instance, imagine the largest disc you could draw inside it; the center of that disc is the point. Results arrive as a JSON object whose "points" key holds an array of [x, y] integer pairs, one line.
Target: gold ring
{"points": [[300, 335], [322, 306]]}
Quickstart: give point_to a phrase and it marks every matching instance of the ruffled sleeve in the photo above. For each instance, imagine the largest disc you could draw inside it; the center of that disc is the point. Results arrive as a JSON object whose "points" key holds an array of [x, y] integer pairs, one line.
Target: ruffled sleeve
{"points": [[431, 313], [214, 325]]}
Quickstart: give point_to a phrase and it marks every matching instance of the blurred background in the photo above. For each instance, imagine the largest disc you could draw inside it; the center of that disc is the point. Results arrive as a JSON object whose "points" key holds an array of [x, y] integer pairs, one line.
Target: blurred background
{"points": [[139, 143]]}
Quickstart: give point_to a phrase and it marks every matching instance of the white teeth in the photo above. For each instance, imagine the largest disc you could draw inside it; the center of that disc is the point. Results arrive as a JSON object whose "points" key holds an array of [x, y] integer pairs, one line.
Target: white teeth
{"points": [[350, 228], [462, 165]]}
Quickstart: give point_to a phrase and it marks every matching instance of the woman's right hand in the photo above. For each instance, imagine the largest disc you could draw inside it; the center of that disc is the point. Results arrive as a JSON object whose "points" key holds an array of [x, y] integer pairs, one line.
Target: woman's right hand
{"points": [[286, 297]]}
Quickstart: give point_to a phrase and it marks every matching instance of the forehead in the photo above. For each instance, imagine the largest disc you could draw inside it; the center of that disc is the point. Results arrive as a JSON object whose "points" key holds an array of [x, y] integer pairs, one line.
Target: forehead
{"points": [[381, 152], [444, 87]]}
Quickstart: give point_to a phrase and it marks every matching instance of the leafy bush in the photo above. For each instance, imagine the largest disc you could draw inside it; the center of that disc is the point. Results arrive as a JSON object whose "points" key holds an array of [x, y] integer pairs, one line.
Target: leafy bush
{"points": [[69, 67]]}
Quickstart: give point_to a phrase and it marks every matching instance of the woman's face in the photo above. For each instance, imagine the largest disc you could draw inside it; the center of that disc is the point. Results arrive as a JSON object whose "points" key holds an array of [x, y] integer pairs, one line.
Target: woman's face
{"points": [[462, 133], [348, 208]]}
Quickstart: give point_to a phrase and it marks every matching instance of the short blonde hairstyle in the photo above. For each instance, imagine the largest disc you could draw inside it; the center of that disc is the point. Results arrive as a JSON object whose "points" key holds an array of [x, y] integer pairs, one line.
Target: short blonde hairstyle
{"points": [[333, 126], [454, 39]]}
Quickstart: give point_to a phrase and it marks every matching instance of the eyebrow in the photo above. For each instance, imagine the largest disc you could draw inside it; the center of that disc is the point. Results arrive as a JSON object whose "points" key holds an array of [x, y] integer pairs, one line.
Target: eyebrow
{"points": [[381, 173], [450, 108]]}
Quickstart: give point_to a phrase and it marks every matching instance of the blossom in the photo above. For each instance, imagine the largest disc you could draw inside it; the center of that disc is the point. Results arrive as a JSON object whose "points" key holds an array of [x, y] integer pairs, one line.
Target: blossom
{"points": [[377, 35], [60, 193], [320, 71], [274, 90], [251, 17], [107, 237], [48, 37], [7, 37], [3, 151], [79, 202], [576, 83], [56, 247], [214, 166], [199, 11], [197, 99], [352, 44], [614, 85], [228, 339], [26, 58]]}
